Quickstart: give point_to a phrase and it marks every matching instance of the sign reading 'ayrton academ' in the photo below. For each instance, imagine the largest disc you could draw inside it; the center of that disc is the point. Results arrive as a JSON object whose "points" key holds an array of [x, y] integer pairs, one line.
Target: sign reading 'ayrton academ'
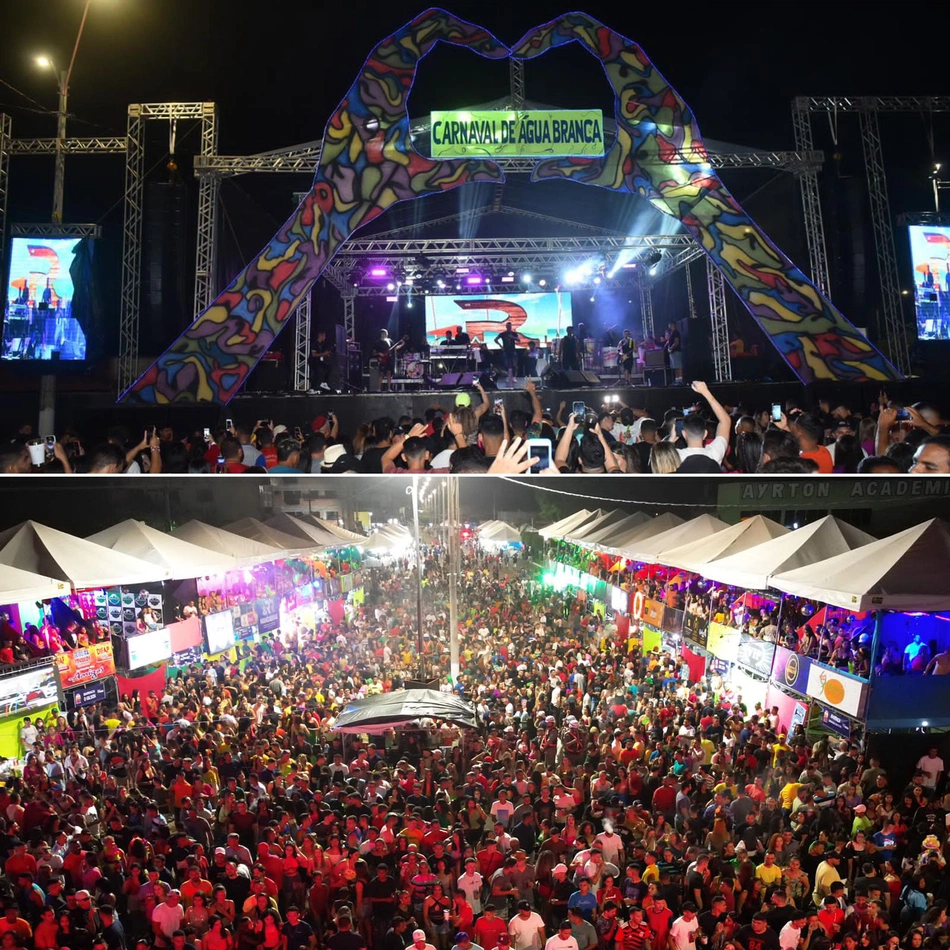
{"points": [[535, 134]]}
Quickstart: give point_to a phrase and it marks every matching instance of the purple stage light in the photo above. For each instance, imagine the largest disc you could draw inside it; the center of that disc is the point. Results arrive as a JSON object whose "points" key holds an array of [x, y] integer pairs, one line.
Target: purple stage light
{"points": [[473, 280], [379, 272], [507, 280]]}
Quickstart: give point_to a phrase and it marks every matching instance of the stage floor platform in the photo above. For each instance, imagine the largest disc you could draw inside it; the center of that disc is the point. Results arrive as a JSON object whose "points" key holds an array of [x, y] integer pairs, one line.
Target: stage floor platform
{"points": [[92, 414]]}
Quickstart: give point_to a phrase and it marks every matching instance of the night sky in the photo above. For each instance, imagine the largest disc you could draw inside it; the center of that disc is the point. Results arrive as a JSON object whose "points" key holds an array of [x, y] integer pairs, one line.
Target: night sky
{"points": [[277, 70]]}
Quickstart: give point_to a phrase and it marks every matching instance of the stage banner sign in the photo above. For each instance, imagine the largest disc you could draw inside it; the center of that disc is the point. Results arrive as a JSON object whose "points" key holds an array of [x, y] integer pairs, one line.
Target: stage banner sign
{"points": [[85, 665], [538, 133], [791, 670], [835, 722], [653, 613], [695, 629], [86, 695], [245, 620]]}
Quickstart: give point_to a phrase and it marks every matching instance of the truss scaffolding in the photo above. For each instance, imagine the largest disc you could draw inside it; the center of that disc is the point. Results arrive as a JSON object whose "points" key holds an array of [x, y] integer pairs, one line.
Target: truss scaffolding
{"points": [[811, 202], [129, 301], [302, 345], [56, 230], [646, 309], [722, 359], [6, 135]]}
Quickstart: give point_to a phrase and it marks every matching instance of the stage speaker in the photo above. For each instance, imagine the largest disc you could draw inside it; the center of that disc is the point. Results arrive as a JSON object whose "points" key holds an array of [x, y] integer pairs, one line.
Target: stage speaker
{"points": [[572, 378]]}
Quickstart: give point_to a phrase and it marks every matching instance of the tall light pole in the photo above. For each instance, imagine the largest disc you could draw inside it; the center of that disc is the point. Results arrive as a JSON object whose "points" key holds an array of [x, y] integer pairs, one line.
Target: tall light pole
{"points": [[455, 566], [46, 62], [414, 490]]}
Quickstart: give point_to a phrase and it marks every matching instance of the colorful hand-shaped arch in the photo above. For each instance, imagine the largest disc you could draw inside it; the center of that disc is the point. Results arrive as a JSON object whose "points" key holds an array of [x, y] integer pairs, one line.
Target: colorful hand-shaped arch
{"points": [[367, 164], [659, 154]]}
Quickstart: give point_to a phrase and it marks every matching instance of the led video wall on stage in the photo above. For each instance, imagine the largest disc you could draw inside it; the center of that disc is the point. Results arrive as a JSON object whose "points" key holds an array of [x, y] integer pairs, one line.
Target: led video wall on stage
{"points": [[483, 316], [930, 259], [37, 322]]}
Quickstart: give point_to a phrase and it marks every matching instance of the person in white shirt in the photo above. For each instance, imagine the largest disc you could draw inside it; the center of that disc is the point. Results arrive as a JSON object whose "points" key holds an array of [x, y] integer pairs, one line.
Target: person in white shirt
{"points": [[562, 940], [167, 918], [471, 883], [526, 928], [694, 429], [684, 929], [28, 734], [932, 766], [790, 936]]}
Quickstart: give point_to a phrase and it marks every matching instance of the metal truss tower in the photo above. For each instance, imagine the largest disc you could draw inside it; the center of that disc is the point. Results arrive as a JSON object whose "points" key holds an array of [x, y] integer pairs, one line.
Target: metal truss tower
{"points": [[129, 312], [811, 199], [5, 137], [722, 360], [646, 309], [302, 345]]}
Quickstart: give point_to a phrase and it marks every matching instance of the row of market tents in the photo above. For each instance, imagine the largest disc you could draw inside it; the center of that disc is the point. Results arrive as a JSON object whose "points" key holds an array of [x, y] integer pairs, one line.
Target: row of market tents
{"points": [[828, 560], [38, 562]]}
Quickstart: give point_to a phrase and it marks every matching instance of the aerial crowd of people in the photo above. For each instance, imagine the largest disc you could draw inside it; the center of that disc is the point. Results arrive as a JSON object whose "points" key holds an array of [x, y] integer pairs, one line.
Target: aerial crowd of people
{"points": [[603, 803], [476, 431]]}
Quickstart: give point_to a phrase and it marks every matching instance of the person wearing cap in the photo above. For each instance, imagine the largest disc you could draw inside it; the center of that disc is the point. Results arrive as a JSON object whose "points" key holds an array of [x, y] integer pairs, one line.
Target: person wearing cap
{"points": [[504, 942], [464, 942], [419, 942], [526, 928], [563, 939], [757, 935]]}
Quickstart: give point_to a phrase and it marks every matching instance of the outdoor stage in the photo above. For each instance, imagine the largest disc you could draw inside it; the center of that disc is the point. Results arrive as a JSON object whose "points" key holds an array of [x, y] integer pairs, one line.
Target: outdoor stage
{"points": [[92, 414]]}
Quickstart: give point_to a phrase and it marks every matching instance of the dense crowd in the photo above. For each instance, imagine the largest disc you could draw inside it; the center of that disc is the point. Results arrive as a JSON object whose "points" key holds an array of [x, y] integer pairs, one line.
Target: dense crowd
{"points": [[479, 432], [603, 802]]}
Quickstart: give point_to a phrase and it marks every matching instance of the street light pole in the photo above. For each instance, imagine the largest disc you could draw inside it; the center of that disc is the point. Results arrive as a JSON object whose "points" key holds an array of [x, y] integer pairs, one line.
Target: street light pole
{"points": [[414, 491], [59, 177], [455, 565]]}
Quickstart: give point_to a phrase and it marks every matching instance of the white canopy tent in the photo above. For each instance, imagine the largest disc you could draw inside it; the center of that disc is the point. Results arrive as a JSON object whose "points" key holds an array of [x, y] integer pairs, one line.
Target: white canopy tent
{"points": [[606, 533], [349, 538], [180, 558], [245, 551], [500, 533], [753, 568], [83, 564], [580, 534], [17, 585], [287, 543], [907, 571], [651, 528], [305, 530], [696, 555], [556, 531], [383, 544], [651, 547]]}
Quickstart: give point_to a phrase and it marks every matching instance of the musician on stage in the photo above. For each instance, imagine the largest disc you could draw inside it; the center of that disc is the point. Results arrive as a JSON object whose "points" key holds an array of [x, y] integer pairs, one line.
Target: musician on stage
{"points": [[508, 341], [462, 338], [324, 366], [569, 351], [674, 352], [385, 350], [580, 334], [628, 354]]}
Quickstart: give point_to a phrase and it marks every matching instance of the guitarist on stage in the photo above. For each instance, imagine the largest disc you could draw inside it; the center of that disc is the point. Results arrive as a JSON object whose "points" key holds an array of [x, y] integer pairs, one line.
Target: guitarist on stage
{"points": [[627, 354], [385, 350]]}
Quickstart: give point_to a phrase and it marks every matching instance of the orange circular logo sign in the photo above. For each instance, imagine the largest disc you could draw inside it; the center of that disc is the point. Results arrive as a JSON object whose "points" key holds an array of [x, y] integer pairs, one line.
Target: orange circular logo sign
{"points": [[791, 669]]}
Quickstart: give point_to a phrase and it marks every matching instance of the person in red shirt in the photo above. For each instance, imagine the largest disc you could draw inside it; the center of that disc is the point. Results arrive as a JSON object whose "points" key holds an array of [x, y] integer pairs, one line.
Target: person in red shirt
{"points": [[489, 928], [664, 798], [659, 919], [19, 862], [809, 434]]}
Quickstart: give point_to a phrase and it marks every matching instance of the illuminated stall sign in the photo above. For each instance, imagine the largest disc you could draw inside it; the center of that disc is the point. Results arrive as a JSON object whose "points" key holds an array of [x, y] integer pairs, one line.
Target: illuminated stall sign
{"points": [[619, 600], [755, 655], [219, 631], [86, 695], [835, 722], [245, 620], [836, 689], [791, 670], [32, 689], [149, 648]]}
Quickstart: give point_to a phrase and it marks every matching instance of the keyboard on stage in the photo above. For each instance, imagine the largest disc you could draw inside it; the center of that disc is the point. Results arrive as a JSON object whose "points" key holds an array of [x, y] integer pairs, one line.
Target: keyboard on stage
{"points": [[449, 350]]}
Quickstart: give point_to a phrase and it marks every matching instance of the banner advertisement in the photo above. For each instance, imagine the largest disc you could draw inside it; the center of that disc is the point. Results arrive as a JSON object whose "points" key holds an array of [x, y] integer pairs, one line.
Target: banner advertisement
{"points": [[185, 635], [538, 133], [86, 695], [85, 665], [791, 670], [302, 596], [835, 722], [149, 648], [245, 620], [695, 663], [153, 682], [694, 629], [836, 689], [219, 631], [653, 613], [651, 639], [619, 600], [32, 689], [755, 655], [719, 667], [723, 642], [268, 614]]}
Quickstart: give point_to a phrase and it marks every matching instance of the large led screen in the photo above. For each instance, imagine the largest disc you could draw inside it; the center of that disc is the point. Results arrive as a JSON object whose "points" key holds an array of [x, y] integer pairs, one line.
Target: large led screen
{"points": [[219, 630], [32, 689], [38, 322], [483, 316], [930, 260]]}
